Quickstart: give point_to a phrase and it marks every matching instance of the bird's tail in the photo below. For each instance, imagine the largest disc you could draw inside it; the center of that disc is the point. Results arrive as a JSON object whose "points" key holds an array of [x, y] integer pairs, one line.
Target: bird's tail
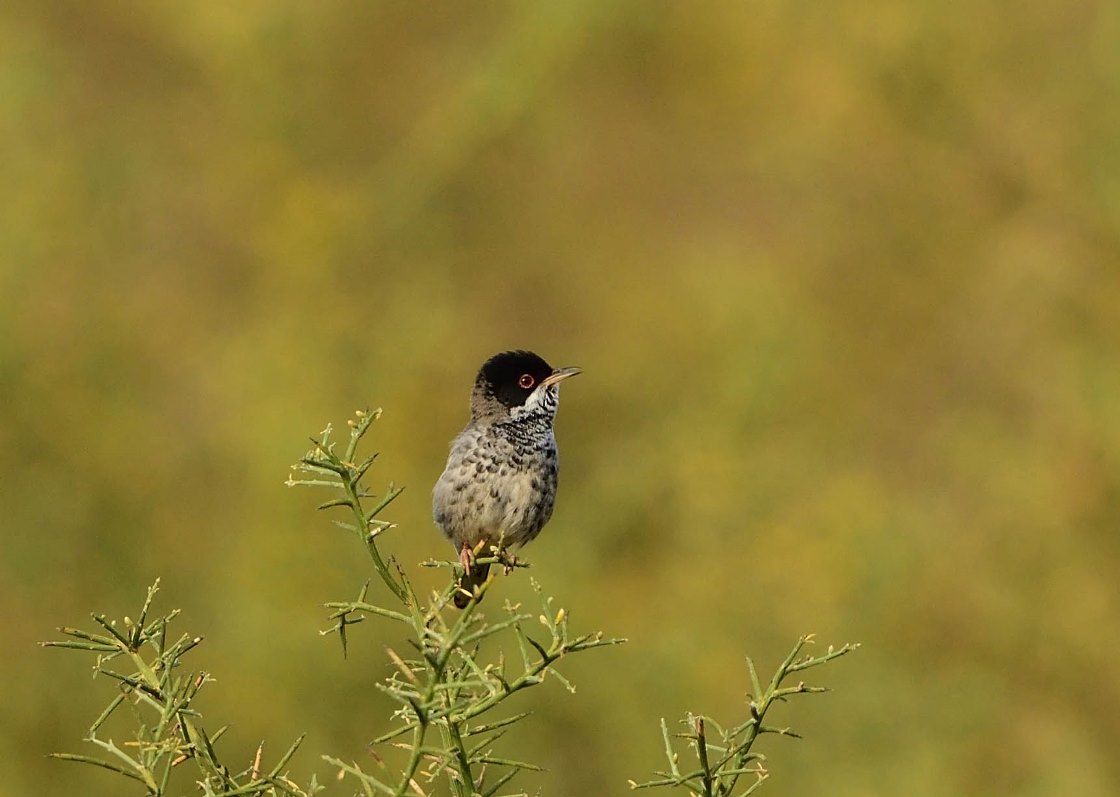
{"points": [[474, 576]]}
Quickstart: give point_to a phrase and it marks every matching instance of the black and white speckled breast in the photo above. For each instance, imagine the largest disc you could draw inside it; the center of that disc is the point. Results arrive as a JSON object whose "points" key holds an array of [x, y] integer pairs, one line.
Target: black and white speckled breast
{"points": [[499, 483]]}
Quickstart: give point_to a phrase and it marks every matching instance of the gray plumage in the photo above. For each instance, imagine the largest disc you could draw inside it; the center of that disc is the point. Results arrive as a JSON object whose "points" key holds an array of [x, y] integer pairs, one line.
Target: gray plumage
{"points": [[499, 485]]}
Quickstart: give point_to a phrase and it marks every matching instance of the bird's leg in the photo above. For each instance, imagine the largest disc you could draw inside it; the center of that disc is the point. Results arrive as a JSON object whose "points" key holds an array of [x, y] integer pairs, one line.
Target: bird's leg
{"points": [[466, 558]]}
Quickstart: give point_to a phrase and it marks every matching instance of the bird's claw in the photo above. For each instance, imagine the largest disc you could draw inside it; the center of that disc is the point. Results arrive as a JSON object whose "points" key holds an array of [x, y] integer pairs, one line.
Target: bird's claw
{"points": [[466, 557], [507, 560]]}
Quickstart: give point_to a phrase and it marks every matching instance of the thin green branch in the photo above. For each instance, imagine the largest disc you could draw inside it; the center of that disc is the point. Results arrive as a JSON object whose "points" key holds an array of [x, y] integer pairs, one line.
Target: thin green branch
{"points": [[169, 729], [701, 743], [323, 459], [719, 778], [97, 762]]}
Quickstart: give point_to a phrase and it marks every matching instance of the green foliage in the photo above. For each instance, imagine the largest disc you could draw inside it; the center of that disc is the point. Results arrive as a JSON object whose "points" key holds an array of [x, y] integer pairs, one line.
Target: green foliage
{"points": [[167, 729], [345, 473], [456, 676], [720, 764]]}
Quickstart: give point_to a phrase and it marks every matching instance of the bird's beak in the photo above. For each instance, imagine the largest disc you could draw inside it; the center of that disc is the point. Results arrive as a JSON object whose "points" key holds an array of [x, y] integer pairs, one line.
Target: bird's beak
{"points": [[559, 375]]}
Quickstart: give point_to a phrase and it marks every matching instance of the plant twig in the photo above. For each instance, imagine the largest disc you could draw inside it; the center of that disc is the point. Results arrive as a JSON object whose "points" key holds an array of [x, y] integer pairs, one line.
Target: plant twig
{"points": [[721, 776]]}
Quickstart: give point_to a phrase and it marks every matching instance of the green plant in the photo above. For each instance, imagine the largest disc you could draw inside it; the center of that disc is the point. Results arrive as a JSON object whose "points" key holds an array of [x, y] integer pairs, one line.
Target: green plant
{"points": [[451, 686], [167, 731], [720, 764]]}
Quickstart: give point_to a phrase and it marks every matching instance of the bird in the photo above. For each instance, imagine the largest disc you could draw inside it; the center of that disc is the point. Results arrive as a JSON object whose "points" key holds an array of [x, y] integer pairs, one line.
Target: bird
{"points": [[499, 485]]}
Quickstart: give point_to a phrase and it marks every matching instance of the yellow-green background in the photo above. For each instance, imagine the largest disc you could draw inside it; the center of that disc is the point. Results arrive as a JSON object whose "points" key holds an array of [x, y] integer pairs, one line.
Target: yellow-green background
{"points": [[844, 279]]}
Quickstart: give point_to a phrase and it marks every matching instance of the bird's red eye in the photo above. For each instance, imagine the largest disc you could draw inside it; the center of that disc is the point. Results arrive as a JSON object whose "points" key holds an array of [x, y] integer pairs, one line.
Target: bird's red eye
{"points": [[526, 381]]}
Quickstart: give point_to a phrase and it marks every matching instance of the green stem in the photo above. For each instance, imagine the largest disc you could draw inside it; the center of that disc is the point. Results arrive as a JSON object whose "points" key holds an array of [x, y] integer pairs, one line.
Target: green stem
{"points": [[462, 760], [702, 755], [758, 710], [363, 520], [413, 759]]}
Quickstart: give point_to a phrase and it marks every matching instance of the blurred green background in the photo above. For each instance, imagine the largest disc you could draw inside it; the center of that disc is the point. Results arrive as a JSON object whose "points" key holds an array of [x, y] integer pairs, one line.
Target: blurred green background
{"points": [[844, 279]]}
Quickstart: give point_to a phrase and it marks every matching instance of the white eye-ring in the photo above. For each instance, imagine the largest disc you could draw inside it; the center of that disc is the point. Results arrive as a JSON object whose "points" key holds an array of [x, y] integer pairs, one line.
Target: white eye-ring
{"points": [[526, 381]]}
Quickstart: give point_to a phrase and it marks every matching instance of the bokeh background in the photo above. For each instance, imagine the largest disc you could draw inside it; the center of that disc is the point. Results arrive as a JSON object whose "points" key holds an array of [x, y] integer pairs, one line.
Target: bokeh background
{"points": [[844, 279]]}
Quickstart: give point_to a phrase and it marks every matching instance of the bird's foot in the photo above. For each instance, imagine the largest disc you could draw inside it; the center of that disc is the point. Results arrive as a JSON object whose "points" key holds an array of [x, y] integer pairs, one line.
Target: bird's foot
{"points": [[466, 558], [507, 560]]}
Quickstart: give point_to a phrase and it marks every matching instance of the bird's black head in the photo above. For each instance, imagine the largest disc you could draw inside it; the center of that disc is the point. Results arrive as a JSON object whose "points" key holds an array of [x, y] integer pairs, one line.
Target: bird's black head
{"points": [[512, 376]]}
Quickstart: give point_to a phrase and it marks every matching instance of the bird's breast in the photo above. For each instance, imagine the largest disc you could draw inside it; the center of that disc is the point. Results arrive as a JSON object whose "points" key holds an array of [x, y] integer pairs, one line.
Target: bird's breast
{"points": [[492, 489]]}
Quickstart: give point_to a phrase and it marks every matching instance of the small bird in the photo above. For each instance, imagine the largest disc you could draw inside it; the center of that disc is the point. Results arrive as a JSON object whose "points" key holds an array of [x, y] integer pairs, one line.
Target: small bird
{"points": [[499, 485]]}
